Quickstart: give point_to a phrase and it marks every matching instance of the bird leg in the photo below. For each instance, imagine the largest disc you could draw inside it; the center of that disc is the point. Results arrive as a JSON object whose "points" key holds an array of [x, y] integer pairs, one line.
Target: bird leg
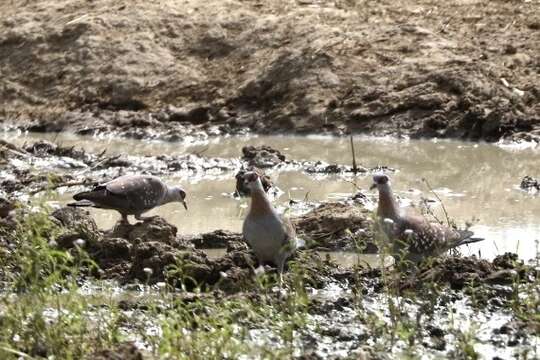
{"points": [[124, 219], [121, 226], [280, 270]]}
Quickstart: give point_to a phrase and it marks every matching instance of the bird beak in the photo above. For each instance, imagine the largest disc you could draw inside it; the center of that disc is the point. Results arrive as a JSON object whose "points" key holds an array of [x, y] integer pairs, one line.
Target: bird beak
{"points": [[373, 186], [185, 205]]}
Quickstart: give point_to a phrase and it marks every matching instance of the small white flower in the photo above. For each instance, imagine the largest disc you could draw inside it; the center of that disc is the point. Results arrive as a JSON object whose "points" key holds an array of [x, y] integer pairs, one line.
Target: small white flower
{"points": [[160, 284], [260, 270], [223, 275], [408, 232], [79, 242], [53, 243], [388, 221], [148, 271], [360, 232]]}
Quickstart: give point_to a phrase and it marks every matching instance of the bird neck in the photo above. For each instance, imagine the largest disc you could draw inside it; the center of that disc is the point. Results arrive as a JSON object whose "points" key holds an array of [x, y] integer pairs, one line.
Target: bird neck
{"points": [[169, 196], [388, 207], [260, 204]]}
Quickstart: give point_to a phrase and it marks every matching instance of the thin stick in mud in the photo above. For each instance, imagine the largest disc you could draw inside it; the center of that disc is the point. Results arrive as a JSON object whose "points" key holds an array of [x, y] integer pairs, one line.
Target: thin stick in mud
{"points": [[354, 167], [440, 200]]}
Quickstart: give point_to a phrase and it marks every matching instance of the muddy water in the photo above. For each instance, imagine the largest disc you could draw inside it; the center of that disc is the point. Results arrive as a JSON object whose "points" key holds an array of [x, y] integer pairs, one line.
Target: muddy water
{"points": [[346, 259], [474, 181]]}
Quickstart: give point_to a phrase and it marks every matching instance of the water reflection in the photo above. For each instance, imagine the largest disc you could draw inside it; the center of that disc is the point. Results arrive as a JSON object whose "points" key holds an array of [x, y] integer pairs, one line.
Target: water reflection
{"points": [[475, 181]]}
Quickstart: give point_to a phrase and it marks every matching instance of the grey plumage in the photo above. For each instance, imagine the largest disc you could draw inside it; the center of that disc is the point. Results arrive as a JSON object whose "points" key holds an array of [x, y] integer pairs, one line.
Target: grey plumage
{"points": [[130, 195], [414, 235], [271, 235]]}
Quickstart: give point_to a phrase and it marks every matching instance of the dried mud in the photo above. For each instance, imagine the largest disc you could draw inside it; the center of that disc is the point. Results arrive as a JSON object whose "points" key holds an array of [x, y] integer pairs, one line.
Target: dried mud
{"points": [[173, 70]]}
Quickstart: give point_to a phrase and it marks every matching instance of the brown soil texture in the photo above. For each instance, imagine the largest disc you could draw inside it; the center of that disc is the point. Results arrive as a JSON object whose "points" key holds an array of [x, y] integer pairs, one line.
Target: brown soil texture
{"points": [[530, 184], [123, 351], [43, 165], [152, 251], [463, 69]]}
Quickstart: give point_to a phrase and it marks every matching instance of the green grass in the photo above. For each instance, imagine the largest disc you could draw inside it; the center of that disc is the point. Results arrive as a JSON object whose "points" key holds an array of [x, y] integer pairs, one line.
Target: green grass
{"points": [[45, 312]]}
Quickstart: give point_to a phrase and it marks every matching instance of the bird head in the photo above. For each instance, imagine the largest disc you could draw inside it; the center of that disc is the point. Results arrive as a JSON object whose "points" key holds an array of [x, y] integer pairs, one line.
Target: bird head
{"points": [[252, 181], [379, 180], [179, 195]]}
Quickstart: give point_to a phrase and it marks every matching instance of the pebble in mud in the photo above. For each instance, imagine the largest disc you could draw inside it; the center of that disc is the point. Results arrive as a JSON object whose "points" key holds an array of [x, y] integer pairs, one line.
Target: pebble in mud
{"points": [[6, 206], [530, 184], [337, 226], [262, 156]]}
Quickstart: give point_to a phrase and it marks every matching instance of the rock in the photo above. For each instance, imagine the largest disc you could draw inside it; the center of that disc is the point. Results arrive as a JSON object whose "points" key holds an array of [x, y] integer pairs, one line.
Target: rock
{"points": [[73, 218], [507, 261], [215, 239], [163, 261], [320, 167], [6, 206], [336, 226], [502, 277], [41, 147], [454, 270], [191, 113], [530, 184], [509, 49], [262, 156], [116, 248], [156, 229]]}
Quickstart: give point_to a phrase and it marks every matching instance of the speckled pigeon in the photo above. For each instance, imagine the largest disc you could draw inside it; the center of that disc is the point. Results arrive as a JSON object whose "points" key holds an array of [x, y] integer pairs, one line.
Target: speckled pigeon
{"points": [[412, 235], [271, 236], [131, 195]]}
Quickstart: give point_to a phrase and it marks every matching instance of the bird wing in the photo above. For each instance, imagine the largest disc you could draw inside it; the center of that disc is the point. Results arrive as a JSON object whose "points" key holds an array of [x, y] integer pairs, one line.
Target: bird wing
{"points": [[426, 237], [290, 232], [101, 198], [141, 192]]}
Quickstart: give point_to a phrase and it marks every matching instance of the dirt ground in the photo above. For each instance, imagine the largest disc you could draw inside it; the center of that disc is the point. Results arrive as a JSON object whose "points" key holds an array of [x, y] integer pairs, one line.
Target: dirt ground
{"points": [[462, 69]]}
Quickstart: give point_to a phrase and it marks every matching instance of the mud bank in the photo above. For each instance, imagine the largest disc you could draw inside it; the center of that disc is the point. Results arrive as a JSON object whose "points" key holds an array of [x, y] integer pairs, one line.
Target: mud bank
{"points": [[153, 251], [43, 165], [358, 310], [417, 68]]}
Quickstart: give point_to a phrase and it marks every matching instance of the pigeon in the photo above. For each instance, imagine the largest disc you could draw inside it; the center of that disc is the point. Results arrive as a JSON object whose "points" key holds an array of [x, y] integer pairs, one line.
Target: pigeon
{"points": [[131, 195], [271, 235], [412, 235]]}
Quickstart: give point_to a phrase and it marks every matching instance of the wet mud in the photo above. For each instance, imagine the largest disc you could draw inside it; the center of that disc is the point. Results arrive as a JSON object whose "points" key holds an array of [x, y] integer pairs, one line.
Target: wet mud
{"points": [[43, 165], [153, 252], [530, 184]]}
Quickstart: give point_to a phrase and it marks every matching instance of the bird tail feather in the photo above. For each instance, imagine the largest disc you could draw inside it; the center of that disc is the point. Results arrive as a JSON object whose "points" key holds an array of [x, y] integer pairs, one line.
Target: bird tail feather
{"points": [[471, 240], [81, 203], [82, 195], [466, 237]]}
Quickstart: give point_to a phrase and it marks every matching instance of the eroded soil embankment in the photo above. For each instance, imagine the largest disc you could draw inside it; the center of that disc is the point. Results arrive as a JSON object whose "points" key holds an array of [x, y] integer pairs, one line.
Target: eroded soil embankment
{"points": [[168, 69], [153, 251]]}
